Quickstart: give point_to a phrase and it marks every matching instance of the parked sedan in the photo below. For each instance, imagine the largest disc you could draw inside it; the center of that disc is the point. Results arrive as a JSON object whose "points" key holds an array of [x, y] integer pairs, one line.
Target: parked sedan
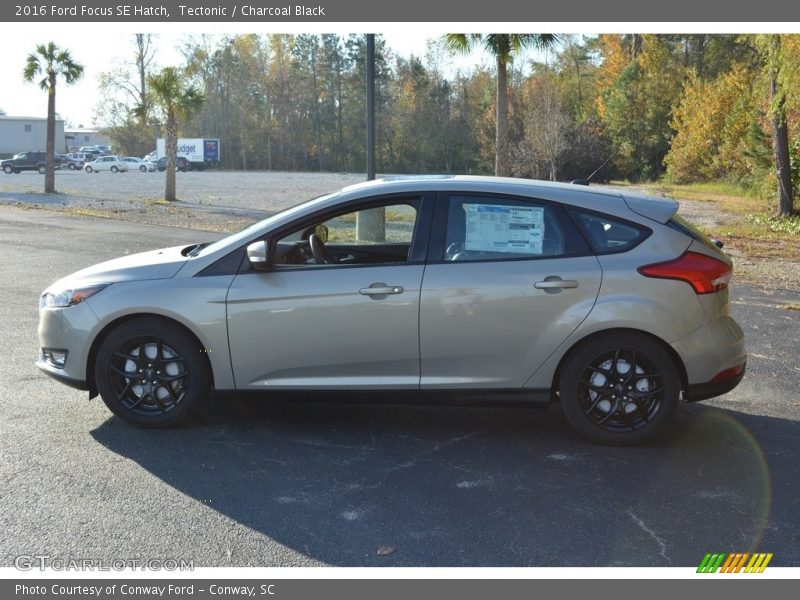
{"points": [[137, 164], [181, 164], [476, 289], [106, 163]]}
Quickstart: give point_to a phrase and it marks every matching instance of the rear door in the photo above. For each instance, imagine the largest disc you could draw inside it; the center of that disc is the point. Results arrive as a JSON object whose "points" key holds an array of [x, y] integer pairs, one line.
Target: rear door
{"points": [[508, 280]]}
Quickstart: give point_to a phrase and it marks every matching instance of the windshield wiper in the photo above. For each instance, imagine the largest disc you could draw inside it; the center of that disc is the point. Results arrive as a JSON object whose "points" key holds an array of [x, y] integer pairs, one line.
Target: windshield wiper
{"points": [[195, 250]]}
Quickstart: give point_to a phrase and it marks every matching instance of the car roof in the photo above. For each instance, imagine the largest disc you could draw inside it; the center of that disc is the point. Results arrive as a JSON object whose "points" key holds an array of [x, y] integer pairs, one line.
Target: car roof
{"points": [[601, 198], [471, 182]]}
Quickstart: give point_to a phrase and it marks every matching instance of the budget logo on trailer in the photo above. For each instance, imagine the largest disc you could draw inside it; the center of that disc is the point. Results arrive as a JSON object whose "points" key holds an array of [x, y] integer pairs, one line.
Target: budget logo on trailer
{"points": [[737, 562]]}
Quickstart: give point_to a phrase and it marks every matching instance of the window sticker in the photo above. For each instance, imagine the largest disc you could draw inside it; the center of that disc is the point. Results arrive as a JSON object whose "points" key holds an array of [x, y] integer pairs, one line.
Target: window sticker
{"points": [[515, 229]]}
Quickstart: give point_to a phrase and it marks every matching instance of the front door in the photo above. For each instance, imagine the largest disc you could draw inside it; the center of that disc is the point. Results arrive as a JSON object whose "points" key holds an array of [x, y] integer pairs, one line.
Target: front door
{"points": [[339, 308]]}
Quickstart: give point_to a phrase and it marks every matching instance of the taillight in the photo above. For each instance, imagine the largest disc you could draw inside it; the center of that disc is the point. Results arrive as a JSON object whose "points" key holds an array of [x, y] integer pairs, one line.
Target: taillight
{"points": [[729, 373], [704, 273]]}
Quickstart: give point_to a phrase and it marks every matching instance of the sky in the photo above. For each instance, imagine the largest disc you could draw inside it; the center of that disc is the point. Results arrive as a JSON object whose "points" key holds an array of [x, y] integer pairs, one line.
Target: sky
{"points": [[100, 49]]}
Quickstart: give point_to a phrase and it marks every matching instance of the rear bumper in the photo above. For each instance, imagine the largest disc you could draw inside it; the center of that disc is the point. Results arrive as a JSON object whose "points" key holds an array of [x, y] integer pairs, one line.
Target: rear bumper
{"points": [[712, 389]]}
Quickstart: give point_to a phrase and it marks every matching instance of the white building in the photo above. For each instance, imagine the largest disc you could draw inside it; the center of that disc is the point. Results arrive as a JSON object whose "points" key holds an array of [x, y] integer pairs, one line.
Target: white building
{"points": [[75, 138], [23, 134]]}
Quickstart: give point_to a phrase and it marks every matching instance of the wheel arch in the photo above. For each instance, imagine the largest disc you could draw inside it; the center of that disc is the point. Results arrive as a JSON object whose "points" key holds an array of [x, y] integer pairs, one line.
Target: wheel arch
{"points": [[112, 325], [684, 380]]}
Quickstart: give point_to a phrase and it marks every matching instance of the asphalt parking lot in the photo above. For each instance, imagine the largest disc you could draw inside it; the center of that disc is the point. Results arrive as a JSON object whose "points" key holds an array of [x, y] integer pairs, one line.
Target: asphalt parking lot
{"points": [[261, 483]]}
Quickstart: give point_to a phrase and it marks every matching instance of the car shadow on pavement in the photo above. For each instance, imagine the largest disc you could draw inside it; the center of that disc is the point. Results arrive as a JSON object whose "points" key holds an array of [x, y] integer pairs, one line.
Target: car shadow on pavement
{"points": [[364, 485]]}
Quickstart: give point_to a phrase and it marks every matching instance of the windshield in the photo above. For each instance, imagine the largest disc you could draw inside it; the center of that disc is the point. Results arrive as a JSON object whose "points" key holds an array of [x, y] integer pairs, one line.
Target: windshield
{"points": [[242, 235]]}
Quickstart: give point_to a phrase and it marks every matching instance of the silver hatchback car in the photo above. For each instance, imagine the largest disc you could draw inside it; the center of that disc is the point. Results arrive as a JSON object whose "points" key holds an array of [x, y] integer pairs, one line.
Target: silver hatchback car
{"points": [[481, 289]]}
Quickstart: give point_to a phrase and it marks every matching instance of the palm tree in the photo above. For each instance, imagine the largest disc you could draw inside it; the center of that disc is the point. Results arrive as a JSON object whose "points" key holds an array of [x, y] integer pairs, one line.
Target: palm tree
{"points": [[51, 61], [502, 46], [176, 99]]}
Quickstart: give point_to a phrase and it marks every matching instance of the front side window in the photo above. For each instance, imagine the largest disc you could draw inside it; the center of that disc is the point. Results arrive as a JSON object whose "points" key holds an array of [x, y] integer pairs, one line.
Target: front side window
{"points": [[375, 235], [496, 228]]}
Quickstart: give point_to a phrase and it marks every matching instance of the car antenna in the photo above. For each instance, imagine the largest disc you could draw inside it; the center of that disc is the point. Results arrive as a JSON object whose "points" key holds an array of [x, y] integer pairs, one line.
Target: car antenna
{"points": [[586, 180]]}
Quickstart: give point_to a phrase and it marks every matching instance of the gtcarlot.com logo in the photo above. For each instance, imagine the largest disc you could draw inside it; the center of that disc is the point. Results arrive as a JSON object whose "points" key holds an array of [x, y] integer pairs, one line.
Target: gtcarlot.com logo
{"points": [[737, 562], [42, 562]]}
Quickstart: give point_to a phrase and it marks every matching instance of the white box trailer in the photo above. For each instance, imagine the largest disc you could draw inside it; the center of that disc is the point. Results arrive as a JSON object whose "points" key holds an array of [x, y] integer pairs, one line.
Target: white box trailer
{"points": [[200, 152]]}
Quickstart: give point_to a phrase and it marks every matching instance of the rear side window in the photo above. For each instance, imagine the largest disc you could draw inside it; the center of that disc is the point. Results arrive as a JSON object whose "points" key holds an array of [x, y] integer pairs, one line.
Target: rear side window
{"points": [[608, 235], [500, 228]]}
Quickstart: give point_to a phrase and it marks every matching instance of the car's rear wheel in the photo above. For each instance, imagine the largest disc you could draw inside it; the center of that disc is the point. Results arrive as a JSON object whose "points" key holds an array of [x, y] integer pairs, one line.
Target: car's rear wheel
{"points": [[114, 169], [619, 388], [143, 169], [71, 167], [151, 372]]}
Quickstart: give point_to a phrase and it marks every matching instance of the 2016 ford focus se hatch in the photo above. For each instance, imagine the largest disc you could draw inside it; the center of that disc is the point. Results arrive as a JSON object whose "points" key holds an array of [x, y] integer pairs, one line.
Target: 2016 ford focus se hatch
{"points": [[484, 289]]}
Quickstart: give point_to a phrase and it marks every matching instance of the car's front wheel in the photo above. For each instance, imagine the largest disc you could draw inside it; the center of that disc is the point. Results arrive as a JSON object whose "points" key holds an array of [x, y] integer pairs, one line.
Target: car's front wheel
{"points": [[8, 169], [151, 372], [114, 169], [619, 388], [143, 169], [88, 169], [42, 169]]}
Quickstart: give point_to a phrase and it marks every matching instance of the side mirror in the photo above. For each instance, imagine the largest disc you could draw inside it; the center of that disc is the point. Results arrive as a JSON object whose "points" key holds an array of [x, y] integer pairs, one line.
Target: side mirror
{"points": [[258, 255]]}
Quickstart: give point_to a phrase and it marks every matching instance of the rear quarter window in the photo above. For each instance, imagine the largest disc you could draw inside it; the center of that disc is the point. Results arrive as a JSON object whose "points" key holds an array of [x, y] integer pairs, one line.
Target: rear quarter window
{"points": [[609, 235], [678, 223]]}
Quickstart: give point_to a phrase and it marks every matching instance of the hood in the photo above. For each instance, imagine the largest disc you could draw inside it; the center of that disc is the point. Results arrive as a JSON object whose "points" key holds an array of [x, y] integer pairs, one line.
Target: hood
{"points": [[155, 264]]}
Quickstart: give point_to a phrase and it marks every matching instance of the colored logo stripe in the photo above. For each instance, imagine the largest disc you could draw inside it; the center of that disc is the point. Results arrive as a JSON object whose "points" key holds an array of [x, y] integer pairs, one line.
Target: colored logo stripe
{"points": [[758, 563], [711, 563], [735, 562]]}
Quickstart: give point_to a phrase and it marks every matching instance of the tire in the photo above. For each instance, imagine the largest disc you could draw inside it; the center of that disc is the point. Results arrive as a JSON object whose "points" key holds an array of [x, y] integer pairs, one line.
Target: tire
{"points": [[609, 401], [88, 169], [143, 169], [71, 167], [114, 169], [42, 169], [182, 381], [8, 170]]}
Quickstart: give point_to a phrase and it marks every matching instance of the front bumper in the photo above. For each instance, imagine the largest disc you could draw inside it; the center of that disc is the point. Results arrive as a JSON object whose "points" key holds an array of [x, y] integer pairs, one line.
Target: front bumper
{"points": [[69, 329], [61, 377]]}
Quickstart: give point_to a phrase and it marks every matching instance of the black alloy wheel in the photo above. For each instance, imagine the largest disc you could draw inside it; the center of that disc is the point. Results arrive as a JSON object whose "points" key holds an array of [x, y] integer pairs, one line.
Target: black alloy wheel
{"points": [[619, 388], [151, 372]]}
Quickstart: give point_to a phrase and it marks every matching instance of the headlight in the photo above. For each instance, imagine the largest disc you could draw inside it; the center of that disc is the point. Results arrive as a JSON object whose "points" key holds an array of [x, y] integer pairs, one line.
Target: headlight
{"points": [[68, 297]]}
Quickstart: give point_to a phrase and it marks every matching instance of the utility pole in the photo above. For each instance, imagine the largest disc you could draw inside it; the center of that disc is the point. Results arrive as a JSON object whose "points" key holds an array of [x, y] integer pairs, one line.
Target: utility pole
{"points": [[370, 106], [371, 224]]}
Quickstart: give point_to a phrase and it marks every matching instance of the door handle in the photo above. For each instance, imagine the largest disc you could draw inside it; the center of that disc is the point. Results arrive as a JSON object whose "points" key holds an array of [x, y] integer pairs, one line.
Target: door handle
{"points": [[381, 289], [555, 283]]}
